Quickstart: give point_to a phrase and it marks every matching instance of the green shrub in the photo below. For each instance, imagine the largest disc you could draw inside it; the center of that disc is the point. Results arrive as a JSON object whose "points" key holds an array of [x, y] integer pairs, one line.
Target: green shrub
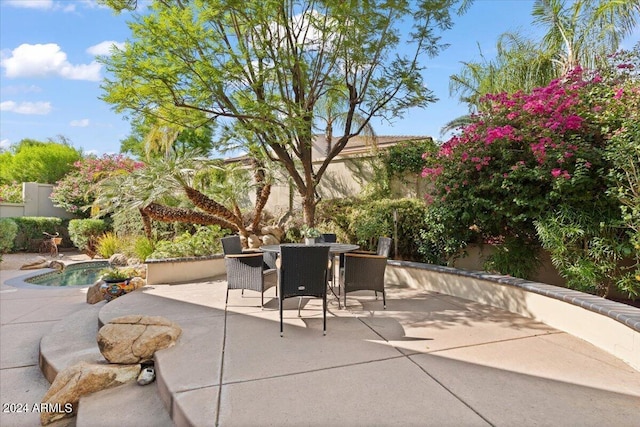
{"points": [[364, 222], [11, 193], [142, 248], [514, 257], [8, 231], [107, 245], [205, 241], [30, 229], [84, 233]]}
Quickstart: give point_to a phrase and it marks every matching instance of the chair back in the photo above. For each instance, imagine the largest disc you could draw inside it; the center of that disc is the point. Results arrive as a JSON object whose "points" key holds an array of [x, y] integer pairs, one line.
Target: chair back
{"points": [[231, 245], [384, 246], [303, 271], [328, 238]]}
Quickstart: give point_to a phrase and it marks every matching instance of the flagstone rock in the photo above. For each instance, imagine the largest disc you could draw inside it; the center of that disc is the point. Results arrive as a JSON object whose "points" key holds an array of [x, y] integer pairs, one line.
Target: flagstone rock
{"points": [[35, 263], [135, 338], [79, 380]]}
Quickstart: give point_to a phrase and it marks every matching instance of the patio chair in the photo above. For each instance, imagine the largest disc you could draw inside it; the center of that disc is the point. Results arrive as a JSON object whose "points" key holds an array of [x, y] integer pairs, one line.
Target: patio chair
{"points": [[303, 272], [383, 248], [365, 272], [247, 270]]}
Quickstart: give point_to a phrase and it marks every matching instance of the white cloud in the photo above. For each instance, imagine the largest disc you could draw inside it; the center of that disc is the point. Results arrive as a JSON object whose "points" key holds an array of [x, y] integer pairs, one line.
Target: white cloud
{"points": [[104, 48], [4, 144], [31, 4], [40, 108], [42, 60], [83, 123]]}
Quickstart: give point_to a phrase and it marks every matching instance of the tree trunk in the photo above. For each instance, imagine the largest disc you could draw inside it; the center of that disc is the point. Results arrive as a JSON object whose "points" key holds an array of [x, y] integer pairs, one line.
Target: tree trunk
{"points": [[188, 216]]}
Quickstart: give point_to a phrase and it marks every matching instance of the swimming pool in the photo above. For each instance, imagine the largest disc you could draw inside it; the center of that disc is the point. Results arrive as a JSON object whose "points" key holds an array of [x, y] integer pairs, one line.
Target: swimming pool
{"points": [[80, 274]]}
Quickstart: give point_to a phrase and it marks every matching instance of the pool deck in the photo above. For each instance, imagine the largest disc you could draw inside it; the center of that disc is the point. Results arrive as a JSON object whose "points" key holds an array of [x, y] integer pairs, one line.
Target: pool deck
{"points": [[428, 359]]}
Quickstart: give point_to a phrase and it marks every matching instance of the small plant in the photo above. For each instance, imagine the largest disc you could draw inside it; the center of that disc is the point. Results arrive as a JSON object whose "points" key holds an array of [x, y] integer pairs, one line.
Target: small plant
{"points": [[309, 232], [116, 273], [108, 244]]}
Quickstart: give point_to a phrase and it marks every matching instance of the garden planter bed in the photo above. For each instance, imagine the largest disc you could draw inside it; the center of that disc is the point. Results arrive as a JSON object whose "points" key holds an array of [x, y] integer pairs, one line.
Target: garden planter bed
{"points": [[610, 325], [175, 270]]}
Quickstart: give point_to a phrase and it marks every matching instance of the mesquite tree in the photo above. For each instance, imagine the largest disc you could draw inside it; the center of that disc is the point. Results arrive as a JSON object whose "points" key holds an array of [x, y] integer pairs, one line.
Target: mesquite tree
{"points": [[263, 69]]}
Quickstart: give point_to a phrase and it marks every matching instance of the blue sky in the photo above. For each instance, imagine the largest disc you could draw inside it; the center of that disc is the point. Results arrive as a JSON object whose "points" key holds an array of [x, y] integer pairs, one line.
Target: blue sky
{"points": [[50, 82]]}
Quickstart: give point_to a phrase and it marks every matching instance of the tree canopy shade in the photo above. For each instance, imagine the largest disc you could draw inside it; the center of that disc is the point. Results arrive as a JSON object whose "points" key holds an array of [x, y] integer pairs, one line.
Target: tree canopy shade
{"points": [[266, 70]]}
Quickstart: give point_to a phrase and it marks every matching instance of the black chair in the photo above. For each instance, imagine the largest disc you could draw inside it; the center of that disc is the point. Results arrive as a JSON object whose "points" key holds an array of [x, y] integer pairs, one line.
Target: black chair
{"points": [[365, 271], [328, 238], [303, 272], [246, 270]]}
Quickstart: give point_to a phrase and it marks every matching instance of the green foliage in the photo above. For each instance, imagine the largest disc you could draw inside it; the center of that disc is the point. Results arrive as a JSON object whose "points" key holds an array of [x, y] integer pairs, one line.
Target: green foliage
{"points": [[30, 231], [364, 222], [8, 232], [588, 250], [11, 193], [84, 233], [142, 248], [515, 257], [205, 241], [35, 161], [108, 244], [407, 157], [117, 273]]}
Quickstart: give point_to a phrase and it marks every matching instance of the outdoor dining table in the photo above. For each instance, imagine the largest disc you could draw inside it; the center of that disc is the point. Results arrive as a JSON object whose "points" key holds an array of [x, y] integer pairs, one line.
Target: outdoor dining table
{"points": [[335, 249]]}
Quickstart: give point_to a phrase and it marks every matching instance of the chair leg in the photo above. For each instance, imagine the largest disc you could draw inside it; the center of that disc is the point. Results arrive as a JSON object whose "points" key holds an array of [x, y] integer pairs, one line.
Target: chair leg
{"points": [[227, 299], [324, 315], [281, 328], [384, 299]]}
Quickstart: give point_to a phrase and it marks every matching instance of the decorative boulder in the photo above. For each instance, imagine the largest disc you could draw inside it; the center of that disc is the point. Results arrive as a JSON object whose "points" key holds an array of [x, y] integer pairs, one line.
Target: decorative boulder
{"points": [[118, 260], [135, 338], [137, 283], [35, 263], [94, 294], [57, 265], [278, 232], [270, 239], [254, 242], [79, 380]]}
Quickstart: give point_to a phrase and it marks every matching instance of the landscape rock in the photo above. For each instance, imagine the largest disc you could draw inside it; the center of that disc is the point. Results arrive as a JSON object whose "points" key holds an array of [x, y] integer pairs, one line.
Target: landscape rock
{"points": [[94, 295], [270, 239], [35, 263], [135, 338], [137, 283], [278, 232], [57, 265], [79, 380], [254, 242], [118, 260]]}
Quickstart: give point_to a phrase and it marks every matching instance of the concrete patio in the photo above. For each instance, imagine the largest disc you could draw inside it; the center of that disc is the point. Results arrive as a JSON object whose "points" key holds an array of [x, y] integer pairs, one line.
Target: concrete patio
{"points": [[428, 359]]}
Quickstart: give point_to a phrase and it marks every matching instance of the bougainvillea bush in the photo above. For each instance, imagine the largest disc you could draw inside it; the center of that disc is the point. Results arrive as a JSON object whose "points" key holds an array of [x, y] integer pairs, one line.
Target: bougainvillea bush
{"points": [[75, 192], [531, 158]]}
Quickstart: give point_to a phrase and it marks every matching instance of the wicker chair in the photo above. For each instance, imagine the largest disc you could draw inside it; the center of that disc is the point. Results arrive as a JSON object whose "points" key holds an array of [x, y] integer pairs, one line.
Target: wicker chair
{"points": [[303, 272], [365, 271], [247, 270]]}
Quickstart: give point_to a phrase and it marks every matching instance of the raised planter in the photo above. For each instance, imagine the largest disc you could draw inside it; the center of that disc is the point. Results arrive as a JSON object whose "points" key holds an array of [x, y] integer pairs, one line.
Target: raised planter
{"points": [[176, 270]]}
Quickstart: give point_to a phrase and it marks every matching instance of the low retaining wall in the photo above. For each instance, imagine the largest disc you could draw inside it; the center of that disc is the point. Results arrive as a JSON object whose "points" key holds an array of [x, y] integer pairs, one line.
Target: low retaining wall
{"points": [[175, 270], [612, 326]]}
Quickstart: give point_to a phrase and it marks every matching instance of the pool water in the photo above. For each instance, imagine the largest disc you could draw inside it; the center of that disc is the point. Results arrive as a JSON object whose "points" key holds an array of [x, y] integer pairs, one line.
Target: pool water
{"points": [[80, 274]]}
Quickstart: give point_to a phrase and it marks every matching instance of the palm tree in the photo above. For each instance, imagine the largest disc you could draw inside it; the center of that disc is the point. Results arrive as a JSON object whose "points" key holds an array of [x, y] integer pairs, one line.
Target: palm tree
{"points": [[580, 32]]}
